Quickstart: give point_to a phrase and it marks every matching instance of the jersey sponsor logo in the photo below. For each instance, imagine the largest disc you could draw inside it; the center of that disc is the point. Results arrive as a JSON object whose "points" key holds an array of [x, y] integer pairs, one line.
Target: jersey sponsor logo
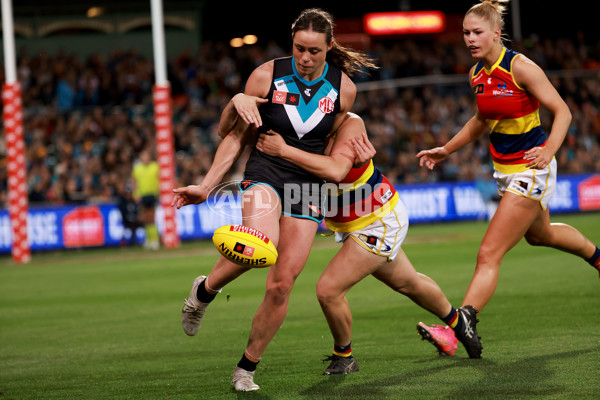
{"points": [[307, 92], [326, 105], [280, 97], [502, 91]]}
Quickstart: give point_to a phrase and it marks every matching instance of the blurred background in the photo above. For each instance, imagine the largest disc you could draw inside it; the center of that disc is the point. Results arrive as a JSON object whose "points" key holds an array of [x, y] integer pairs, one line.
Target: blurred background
{"points": [[86, 71]]}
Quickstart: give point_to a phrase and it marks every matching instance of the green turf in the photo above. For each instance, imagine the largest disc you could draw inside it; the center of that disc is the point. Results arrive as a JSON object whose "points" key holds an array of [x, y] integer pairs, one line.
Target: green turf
{"points": [[105, 324]]}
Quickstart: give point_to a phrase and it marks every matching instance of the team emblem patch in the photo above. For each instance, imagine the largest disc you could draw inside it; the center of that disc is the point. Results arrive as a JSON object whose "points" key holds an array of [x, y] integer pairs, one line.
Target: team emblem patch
{"points": [[326, 105], [370, 240], [292, 99]]}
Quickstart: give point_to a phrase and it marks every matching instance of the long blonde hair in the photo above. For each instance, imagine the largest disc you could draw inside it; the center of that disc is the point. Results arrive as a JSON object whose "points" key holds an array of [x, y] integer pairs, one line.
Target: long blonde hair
{"points": [[493, 11]]}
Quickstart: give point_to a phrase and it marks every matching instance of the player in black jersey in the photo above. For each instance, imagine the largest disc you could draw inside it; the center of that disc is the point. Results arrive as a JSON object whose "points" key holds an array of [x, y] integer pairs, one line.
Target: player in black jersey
{"points": [[305, 97]]}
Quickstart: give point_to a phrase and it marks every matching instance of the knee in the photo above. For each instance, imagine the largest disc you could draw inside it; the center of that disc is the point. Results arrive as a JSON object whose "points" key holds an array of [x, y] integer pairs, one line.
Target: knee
{"points": [[326, 292], [278, 292], [540, 239], [488, 255]]}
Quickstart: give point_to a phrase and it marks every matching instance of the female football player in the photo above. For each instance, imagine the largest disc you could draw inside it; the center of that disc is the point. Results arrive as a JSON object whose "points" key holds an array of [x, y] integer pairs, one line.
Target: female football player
{"points": [[306, 97], [509, 88], [368, 217]]}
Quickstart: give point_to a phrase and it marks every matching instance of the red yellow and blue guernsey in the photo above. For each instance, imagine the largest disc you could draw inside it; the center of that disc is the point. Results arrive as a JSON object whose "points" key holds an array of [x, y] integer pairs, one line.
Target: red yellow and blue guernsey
{"points": [[512, 113], [362, 197]]}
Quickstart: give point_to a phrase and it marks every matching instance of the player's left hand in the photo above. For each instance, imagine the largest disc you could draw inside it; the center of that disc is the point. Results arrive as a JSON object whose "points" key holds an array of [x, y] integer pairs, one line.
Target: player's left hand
{"points": [[363, 148], [539, 157], [271, 143]]}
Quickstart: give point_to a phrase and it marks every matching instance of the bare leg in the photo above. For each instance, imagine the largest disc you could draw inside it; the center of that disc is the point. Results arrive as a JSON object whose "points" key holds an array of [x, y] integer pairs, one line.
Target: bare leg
{"points": [[352, 264], [254, 203], [400, 275], [349, 266], [513, 218], [559, 236], [295, 240]]}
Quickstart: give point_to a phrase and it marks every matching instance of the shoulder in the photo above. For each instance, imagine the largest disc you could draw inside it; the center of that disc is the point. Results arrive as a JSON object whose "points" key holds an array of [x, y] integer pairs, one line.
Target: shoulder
{"points": [[347, 84], [259, 82], [348, 93], [524, 69]]}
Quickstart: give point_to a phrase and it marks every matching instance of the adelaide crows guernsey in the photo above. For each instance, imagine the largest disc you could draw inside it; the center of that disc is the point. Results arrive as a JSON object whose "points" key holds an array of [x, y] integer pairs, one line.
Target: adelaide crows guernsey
{"points": [[363, 196], [511, 112], [301, 111]]}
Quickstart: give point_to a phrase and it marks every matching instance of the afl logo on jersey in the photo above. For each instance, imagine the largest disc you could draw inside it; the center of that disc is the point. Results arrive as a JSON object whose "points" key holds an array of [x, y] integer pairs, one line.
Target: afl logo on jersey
{"points": [[326, 105], [478, 89]]}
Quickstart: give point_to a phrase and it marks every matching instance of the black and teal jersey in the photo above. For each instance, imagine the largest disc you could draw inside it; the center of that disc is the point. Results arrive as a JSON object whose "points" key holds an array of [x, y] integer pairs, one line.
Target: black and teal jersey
{"points": [[301, 111]]}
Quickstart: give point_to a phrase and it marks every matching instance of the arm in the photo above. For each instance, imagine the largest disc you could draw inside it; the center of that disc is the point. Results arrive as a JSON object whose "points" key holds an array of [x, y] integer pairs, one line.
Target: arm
{"points": [[246, 104], [533, 79], [242, 105], [333, 167], [226, 155], [473, 129], [348, 95]]}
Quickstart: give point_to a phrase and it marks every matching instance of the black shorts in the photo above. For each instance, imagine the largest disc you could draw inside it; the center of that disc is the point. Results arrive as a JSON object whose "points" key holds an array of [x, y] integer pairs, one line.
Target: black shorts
{"points": [[299, 199]]}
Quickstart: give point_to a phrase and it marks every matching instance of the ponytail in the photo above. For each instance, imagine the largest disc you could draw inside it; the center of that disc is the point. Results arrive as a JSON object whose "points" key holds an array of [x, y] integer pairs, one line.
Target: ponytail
{"points": [[345, 59]]}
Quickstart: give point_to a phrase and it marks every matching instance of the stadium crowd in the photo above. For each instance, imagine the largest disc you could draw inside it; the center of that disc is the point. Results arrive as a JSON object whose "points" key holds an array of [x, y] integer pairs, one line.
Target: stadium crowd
{"points": [[87, 120]]}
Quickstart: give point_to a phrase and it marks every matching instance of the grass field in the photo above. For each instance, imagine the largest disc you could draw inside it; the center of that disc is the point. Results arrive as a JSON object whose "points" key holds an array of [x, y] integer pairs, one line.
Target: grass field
{"points": [[105, 324]]}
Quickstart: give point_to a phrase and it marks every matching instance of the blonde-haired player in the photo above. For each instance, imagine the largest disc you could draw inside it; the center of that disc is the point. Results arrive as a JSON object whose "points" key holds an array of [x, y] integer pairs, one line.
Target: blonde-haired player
{"points": [[509, 89]]}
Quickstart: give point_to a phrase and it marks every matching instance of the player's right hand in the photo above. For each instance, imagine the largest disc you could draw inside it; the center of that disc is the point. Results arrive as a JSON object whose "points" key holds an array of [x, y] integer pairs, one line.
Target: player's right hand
{"points": [[429, 158]]}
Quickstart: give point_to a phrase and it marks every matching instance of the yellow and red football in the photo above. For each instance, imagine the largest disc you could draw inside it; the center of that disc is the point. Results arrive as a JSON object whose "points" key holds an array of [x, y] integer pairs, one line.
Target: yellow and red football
{"points": [[245, 246]]}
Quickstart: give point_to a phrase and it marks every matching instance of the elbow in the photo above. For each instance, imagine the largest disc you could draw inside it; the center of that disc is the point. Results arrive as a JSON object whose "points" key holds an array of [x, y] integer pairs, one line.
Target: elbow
{"points": [[334, 176]]}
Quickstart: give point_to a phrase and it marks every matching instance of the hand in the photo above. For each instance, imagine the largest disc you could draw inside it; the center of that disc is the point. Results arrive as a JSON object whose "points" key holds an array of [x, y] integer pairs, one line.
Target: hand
{"points": [[192, 194], [363, 149], [247, 108], [271, 143], [540, 157], [431, 157]]}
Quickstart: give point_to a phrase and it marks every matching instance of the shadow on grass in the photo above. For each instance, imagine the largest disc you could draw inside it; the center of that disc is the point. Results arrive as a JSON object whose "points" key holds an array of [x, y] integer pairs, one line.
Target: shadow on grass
{"points": [[525, 378]]}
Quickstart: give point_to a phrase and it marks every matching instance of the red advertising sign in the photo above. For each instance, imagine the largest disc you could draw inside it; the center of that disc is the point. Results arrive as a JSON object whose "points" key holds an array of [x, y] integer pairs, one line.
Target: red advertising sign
{"points": [[394, 23], [83, 227], [589, 194]]}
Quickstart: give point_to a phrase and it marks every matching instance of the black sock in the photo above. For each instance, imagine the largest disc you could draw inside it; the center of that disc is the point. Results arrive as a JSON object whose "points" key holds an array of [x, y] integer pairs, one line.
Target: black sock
{"points": [[595, 259], [202, 295], [247, 364]]}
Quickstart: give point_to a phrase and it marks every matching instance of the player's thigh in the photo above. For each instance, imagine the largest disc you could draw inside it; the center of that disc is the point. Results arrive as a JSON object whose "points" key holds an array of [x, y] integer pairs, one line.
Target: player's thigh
{"points": [[398, 273], [296, 236], [513, 218], [351, 264], [261, 209]]}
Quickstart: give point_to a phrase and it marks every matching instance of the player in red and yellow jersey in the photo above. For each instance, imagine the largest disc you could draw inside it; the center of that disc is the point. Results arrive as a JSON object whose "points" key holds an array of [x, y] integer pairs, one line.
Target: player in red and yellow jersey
{"points": [[509, 88], [368, 217]]}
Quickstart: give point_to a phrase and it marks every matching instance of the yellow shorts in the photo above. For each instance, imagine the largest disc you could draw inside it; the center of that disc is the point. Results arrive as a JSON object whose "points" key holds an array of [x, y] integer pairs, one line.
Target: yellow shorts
{"points": [[535, 184], [384, 236]]}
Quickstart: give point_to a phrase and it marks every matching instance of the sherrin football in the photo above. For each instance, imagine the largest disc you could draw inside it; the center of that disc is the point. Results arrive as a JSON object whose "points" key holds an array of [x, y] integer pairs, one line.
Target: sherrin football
{"points": [[245, 246]]}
